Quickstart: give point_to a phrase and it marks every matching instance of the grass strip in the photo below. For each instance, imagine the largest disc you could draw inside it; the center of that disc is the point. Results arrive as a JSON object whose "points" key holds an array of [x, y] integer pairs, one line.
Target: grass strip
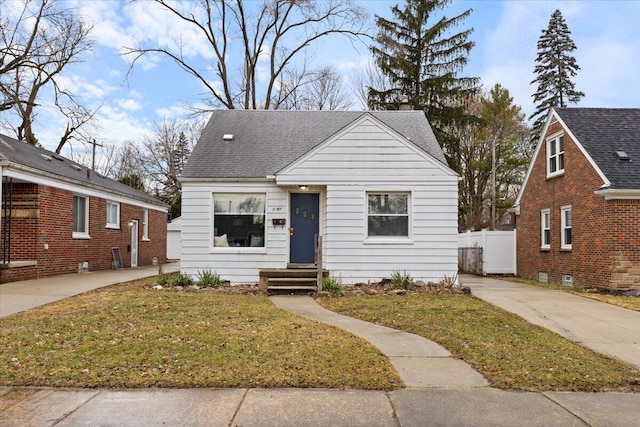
{"points": [[510, 352], [129, 336]]}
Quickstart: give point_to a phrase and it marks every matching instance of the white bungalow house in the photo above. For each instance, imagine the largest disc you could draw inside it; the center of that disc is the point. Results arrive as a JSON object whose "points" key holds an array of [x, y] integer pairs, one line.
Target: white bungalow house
{"points": [[375, 185]]}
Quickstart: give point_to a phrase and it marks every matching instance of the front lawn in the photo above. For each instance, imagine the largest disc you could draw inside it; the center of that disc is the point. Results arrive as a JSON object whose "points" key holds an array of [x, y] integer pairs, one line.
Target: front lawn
{"points": [[129, 336], [510, 352]]}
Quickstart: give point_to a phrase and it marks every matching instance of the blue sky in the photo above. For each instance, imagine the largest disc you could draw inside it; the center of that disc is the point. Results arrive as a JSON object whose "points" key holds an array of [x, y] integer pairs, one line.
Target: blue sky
{"points": [[607, 34]]}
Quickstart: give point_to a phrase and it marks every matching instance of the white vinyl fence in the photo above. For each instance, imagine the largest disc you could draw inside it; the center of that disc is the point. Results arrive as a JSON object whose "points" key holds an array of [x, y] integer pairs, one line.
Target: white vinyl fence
{"points": [[487, 252]]}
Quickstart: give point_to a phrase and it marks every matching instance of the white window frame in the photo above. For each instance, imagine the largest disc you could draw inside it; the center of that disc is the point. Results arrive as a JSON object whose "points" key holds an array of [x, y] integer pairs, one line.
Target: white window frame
{"points": [[145, 224], [80, 234], [545, 226], [112, 224], [564, 227], [238, 249], [556, 159], [389, 239]]}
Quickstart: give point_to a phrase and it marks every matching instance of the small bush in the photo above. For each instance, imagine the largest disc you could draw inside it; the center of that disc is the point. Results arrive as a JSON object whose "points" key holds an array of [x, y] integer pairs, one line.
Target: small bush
{"points": [[401, 280], [332, 285], [208, 279], [164, 280], [182, 280]]}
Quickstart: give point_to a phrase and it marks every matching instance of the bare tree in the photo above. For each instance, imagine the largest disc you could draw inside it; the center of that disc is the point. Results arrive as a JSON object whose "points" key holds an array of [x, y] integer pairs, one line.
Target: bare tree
{"points": [[320, 90], [366, 78], [276, 33], [326, 91], [162, 157], [39, 41]]}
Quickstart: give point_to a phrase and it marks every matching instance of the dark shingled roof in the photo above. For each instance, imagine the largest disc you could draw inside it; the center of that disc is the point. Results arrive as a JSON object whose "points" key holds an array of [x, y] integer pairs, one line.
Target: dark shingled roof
{"points": [[266, 141], [604, 131], [21, 153]]}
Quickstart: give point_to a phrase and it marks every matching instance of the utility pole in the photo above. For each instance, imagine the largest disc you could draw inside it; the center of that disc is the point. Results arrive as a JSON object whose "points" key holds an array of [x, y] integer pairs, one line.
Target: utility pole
{"points": [[93, 156], [492, 225]]}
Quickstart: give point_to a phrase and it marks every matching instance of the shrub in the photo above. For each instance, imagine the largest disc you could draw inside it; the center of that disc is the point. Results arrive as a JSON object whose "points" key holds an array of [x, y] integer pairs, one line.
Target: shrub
{"points": [[182, 280], [164, 280], [332, 285], [401, 280], [208, 279]]}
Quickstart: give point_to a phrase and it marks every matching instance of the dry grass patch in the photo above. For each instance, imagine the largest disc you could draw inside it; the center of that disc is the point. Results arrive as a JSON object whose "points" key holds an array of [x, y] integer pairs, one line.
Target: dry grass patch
{"points": [[507, 350], [128, 336]]}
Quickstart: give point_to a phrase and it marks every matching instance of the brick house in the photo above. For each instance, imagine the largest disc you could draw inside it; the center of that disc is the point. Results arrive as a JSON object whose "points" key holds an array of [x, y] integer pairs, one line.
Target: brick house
{"points": [[578, 211], [59, 217]]}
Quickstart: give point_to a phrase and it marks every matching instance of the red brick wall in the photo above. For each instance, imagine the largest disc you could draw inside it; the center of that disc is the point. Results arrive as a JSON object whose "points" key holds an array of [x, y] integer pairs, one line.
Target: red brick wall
{"points": [[54, 226], [589, 260]]}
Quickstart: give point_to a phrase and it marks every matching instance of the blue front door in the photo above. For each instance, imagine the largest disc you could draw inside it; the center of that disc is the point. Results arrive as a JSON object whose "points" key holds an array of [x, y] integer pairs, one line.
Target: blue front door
{"points": [[304, 227]]}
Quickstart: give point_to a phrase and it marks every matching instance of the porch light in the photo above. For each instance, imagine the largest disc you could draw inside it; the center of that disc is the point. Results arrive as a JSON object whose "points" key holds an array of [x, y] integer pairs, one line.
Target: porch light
{"points": [[303, 187], [130, 223]]}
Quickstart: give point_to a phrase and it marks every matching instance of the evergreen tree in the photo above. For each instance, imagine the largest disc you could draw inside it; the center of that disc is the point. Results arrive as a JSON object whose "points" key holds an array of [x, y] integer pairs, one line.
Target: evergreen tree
{"points": [[422, 55], [554, 69]]}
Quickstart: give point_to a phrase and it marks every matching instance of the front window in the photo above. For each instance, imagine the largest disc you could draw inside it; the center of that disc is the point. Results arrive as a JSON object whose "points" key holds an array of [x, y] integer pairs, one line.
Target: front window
{"points": [[145, 224], [238, 220], [545, 228], [113, 215], [80, 216], [388, 214], [565, 223], [555, 156]]}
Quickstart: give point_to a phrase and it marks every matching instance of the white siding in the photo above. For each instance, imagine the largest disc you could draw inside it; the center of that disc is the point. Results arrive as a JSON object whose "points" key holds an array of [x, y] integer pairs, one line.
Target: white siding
{"points": [[429, 255], [369, 157], [237, 265]]}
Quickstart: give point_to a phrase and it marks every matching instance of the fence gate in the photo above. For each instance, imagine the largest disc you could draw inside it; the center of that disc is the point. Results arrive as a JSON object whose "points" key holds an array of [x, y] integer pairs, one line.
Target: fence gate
{"points": [[470, 260]]}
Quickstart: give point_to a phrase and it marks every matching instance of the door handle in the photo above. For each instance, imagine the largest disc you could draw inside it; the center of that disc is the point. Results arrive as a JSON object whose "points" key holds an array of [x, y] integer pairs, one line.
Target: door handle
{"points": [[291, 231]]}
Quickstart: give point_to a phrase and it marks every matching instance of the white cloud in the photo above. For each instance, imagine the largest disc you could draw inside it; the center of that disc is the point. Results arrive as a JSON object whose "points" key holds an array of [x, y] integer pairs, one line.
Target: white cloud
{"points": [[129, 104]]}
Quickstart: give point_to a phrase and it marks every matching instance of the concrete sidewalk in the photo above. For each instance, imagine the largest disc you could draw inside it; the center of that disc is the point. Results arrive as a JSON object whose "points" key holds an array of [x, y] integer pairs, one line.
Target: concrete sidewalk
{"points": [[313, 408], [602, 327], [20, 296]]}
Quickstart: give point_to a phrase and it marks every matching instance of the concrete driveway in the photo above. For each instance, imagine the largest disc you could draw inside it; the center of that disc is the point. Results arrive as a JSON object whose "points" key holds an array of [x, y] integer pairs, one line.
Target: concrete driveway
{"points": [[19, 296], [605, 328]]}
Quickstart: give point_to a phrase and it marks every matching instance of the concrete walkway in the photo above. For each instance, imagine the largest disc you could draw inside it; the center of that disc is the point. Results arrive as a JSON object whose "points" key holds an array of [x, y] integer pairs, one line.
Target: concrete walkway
{"points": [[604, 328], [421, 363], [432, 398], [20, 296]]}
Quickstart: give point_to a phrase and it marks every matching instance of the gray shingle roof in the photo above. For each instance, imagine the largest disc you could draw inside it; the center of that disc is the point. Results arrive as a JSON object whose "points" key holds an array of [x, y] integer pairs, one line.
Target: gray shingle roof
{"points": [[604, 131], [266, 141], [17, 152]]}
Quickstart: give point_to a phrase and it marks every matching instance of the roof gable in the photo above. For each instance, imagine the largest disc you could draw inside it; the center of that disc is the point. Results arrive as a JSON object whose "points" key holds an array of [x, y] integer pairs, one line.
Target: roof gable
{"points": [[14, 153], [362, 154], [599, 133], [262, 142]]}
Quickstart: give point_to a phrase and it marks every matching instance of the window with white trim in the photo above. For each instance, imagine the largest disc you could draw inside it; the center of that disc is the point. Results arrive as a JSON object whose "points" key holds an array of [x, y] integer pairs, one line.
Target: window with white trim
{"points": [[238, 219], [555, 156], [545, 229], [80, 217], [113, 214], [565, 225], [145, 224], [388, 214]]}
